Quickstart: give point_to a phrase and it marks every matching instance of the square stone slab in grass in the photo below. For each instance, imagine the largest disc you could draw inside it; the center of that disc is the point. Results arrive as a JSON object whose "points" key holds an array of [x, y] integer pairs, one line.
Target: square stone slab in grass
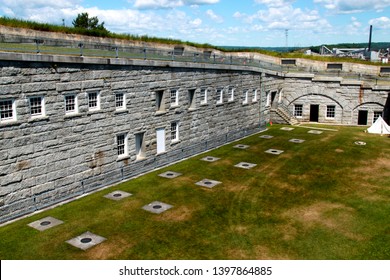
{"points": [[157, 207], [245, 165], [274, 151], [208, 183], [287, 128], [298, 141], [117, 195], [315, 131], [45, 223], [266, 136], [210, 159], [241, 146], [169, 174], [86, 240]]}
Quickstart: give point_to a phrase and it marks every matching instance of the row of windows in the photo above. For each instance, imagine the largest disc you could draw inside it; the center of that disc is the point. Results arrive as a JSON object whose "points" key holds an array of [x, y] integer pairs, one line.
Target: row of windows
{"points": [[37, 103], [330, 111], [122, 142]]}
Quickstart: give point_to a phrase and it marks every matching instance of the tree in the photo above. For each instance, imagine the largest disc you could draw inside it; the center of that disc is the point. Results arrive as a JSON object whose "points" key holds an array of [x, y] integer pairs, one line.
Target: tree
{"points": [[90, 23]]}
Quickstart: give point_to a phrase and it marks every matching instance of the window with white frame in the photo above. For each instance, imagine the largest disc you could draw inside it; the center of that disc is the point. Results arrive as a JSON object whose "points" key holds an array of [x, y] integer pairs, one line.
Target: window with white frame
{"points": [[174, 131], [377, 114], [330, 111], [219, 96], [120, 101], [37, 106], [254, 99], [71, 106], [231, 94], [7, 110], [121, 142], [298, 110], [245, 96], [93, 101], [203, 96], [174, 97]]}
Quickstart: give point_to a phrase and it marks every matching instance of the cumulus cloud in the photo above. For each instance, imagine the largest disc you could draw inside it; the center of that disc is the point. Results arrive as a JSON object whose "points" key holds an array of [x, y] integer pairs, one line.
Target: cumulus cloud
{"points": [[212, 15], [163, 4], [380, 23], [287, 17], [274, 3], [354, 6]]}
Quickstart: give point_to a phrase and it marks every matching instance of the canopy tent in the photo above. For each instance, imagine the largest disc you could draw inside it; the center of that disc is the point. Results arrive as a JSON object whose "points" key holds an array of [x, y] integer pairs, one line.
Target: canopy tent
{"points": [[379, 127]]}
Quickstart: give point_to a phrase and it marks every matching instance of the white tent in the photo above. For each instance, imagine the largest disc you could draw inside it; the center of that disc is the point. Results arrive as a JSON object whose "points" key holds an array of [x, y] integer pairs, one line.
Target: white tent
{"points": [[379, 127]]}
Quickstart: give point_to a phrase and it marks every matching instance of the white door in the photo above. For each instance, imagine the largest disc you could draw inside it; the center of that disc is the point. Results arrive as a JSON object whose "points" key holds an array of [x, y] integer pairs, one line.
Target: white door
{"points": [[160, 132]]}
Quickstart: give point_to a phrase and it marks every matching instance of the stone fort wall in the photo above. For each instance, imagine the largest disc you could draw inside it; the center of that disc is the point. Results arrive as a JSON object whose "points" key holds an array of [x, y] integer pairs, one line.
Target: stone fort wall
{"points": [[71, 125], [53, 148]]}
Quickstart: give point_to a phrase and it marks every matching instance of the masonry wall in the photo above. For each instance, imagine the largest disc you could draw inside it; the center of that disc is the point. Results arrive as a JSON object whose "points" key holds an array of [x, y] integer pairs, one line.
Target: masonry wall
{"points": [[347, 97], [48, 158]]}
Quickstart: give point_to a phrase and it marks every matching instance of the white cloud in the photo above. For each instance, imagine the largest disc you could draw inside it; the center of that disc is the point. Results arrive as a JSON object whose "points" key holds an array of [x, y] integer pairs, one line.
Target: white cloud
{"points": [[380, 23], [212, 15], [274, 3], [354, 6], [163, 4]]}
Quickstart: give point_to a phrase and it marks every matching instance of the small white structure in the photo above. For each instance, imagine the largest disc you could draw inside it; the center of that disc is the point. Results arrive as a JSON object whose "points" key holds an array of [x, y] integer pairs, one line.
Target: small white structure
{"points": [[379, 127]]}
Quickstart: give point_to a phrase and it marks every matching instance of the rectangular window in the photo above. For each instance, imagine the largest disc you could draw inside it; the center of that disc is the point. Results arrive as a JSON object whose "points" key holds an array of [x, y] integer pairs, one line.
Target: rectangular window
{"points": [[268, 101], [191, 99], [93, 101], [298, 110], [160, 101], [245, 97], [231, 94], [121, 141], [174, 131], [254, 96], [140, 146], [203, 96], [37, 107], [219, 96], [377, 114], [330, 111], [120, 102], [7, 110], [71, 104], [174, 97]]}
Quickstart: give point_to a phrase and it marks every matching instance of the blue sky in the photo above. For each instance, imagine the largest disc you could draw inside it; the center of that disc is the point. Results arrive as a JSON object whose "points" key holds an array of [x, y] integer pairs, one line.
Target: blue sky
{"points": [[223, 22]]}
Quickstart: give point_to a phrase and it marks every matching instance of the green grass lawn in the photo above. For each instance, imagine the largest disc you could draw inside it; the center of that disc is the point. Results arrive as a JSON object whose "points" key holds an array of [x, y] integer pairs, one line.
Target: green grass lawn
{"points": [[326, 198]]}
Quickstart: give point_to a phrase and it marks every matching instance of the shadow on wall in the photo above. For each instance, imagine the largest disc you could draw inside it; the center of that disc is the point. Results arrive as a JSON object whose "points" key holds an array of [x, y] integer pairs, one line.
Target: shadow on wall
{"points": [[386, 112]]}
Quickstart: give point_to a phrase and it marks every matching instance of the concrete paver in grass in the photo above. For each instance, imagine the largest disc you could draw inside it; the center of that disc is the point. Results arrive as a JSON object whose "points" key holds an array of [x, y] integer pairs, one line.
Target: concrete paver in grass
{"points": [[207, 183], [266, 136], [157, 207], [241, 146], [298, 141], [117, 195], [86, 240], [210, 159], [287, 128], [170, 174], [315, 131], [274, 151], [45, 223], [360, 143], [245, 165]]}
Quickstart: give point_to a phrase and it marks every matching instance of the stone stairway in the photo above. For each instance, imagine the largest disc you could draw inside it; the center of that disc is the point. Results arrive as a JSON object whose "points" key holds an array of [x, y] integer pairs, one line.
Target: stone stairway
{"points": [[285, 115]]}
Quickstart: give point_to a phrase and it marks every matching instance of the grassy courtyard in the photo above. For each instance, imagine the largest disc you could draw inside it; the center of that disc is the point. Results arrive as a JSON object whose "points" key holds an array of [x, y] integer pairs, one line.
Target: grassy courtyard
{"points": [[325, 198]]}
